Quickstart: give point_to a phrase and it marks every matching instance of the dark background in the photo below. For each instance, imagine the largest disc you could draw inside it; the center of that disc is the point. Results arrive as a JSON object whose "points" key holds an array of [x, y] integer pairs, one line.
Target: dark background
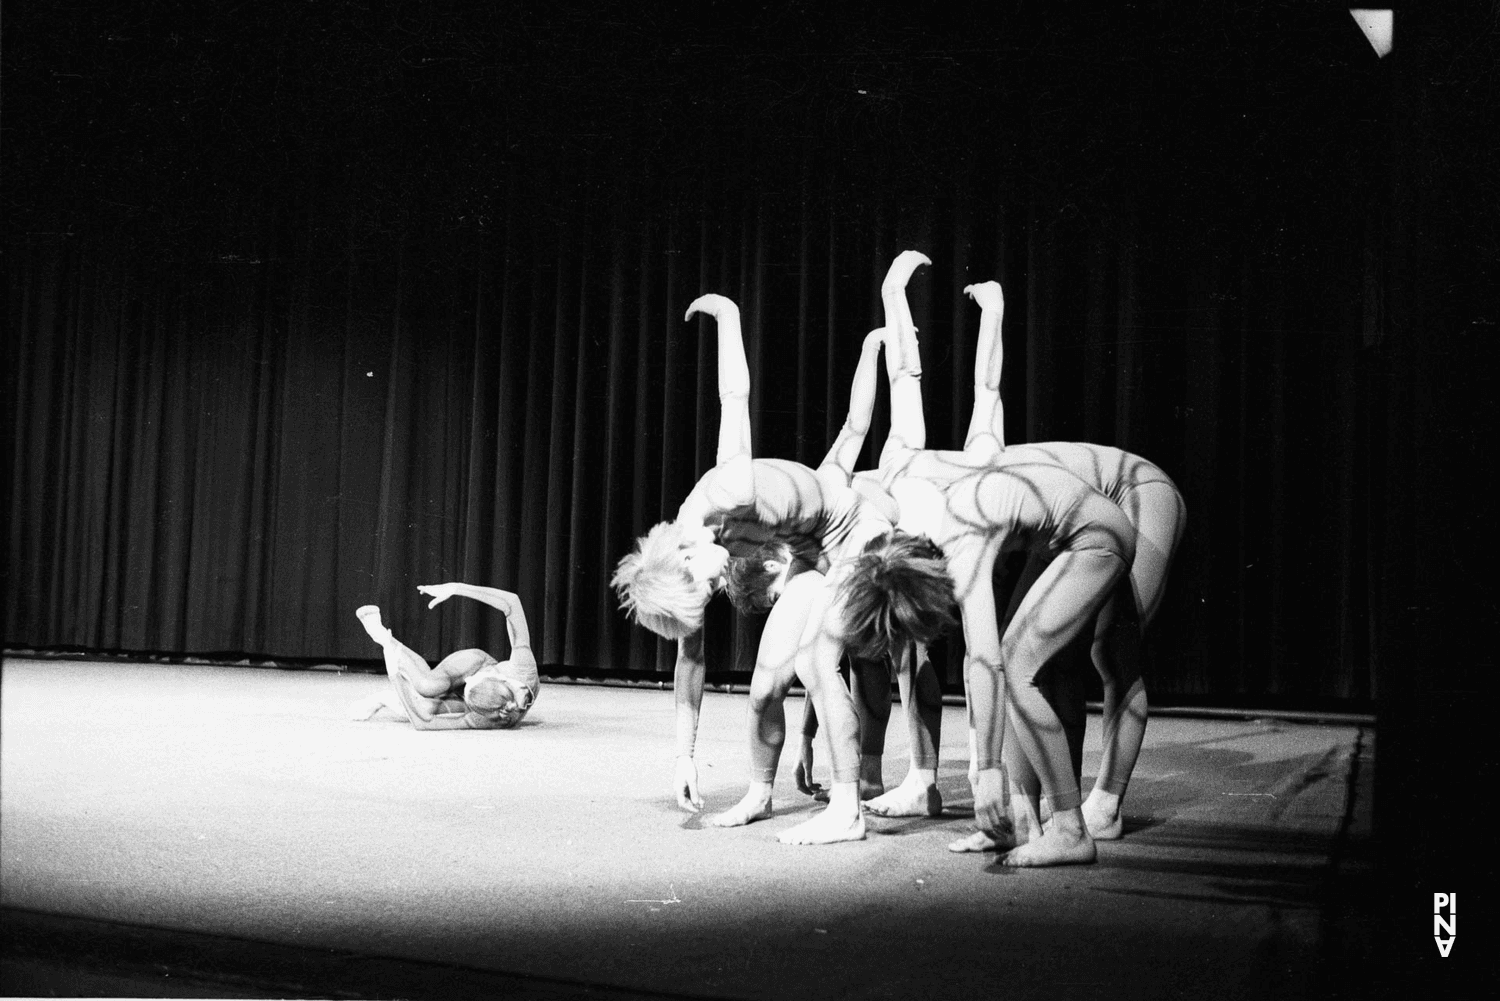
{"points": [[307, 304]]}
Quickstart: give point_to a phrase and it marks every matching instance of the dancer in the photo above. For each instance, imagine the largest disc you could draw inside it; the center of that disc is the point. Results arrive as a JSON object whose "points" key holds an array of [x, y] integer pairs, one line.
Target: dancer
{"points": [[958, 512], [753, 583], [468, 689], [1153, 505], [665, 583]]}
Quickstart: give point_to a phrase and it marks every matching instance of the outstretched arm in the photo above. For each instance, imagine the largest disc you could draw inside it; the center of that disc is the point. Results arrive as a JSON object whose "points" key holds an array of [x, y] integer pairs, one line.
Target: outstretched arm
{"points": [[851, 440], [503, 601], [984, 683], [986, 436], [687, 688], [903, 361], [804, 770], [732, 483]]}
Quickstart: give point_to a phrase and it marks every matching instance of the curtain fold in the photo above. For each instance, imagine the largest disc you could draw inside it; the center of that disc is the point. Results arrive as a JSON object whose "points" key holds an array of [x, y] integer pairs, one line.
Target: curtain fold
{"points": [[231, 458], [429, 348]]}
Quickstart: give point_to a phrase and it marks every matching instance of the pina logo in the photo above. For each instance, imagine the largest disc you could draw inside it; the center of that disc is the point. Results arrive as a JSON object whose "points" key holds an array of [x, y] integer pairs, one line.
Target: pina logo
{"points": [[1445, 921]]}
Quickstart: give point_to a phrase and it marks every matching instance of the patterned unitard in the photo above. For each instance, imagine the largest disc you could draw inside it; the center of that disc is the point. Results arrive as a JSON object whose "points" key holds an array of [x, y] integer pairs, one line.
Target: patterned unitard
{"points": [[746, 501], [974, 515], [1152, 504], [975, 506]]}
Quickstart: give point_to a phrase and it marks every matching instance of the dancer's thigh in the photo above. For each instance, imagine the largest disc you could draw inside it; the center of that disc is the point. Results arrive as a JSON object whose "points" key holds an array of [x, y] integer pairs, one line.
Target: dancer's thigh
{"points": [[1058, 606], [776, 658], [1157, 511], [461, 663]]}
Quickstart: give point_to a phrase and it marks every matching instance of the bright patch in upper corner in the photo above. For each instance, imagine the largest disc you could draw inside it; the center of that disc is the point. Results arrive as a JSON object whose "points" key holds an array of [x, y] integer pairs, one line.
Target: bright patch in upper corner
{"points": [[1379, 27]]}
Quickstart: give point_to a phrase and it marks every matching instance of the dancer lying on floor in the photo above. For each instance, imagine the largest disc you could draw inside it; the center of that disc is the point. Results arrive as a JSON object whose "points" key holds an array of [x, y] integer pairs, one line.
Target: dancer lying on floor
{"points": [[468, 689], [666, 582], [958, 511], [1154, 508]]}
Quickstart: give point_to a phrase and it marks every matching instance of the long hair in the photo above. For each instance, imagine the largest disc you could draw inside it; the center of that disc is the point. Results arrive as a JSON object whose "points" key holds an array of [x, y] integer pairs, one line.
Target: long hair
{"points": [[654, 587], [898, 591], [748, 582]]}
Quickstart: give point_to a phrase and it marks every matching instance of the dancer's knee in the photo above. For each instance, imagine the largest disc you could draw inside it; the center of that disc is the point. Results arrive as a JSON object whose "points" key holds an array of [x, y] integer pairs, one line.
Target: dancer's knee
{"points": [[767, 692], [462, 662]]}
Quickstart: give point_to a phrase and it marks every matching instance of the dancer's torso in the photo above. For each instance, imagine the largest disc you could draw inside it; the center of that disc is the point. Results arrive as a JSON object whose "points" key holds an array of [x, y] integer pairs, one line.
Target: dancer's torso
{"points": [[792, 499], [1111, 471], [1013, 503]]}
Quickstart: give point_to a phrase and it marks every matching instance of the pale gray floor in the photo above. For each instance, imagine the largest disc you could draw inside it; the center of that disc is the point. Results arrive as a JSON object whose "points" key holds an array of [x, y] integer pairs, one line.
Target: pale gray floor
{"points": [[241, 801]]}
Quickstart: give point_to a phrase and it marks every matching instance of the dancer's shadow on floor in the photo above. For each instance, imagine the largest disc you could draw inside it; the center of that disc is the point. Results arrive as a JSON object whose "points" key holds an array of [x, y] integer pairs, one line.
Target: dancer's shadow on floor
{"points": [[717, 801], [901, 827]]}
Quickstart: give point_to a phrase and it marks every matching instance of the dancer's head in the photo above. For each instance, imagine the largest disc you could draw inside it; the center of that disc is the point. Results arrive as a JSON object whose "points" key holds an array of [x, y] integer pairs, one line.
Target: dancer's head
{"points": [[666, 581], [897, 591], [494, 698], [754, 582]]}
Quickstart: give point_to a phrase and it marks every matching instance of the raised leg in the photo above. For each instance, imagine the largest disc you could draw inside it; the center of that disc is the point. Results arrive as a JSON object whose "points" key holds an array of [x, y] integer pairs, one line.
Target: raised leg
{"points": [[419, 691], [987, 423], [844, 454], [734, 376], [903, 360]]}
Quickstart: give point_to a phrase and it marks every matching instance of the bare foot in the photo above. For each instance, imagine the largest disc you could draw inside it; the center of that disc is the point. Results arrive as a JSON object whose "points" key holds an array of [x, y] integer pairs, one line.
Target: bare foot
{"points": [[1103, 817], [755, 806], [366, 707], [369, 617], [980, 841], [901, 269], [829, 827], [912, 798], [986, 294], [1058, 845]]}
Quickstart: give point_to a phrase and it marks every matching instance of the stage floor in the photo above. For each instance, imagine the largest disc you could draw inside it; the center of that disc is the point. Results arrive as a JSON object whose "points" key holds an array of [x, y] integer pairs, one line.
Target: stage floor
{"points": [[227, 831]]}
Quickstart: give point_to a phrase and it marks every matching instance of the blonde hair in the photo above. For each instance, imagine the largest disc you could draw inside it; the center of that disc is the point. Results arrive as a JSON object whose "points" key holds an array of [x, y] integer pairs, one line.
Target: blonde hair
{"points": [[655, 588], [494, 699], [488, 693]]}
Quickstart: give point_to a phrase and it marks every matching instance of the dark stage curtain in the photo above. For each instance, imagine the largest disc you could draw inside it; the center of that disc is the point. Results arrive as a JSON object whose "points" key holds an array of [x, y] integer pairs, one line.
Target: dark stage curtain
{"points": [[304, 310]]}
